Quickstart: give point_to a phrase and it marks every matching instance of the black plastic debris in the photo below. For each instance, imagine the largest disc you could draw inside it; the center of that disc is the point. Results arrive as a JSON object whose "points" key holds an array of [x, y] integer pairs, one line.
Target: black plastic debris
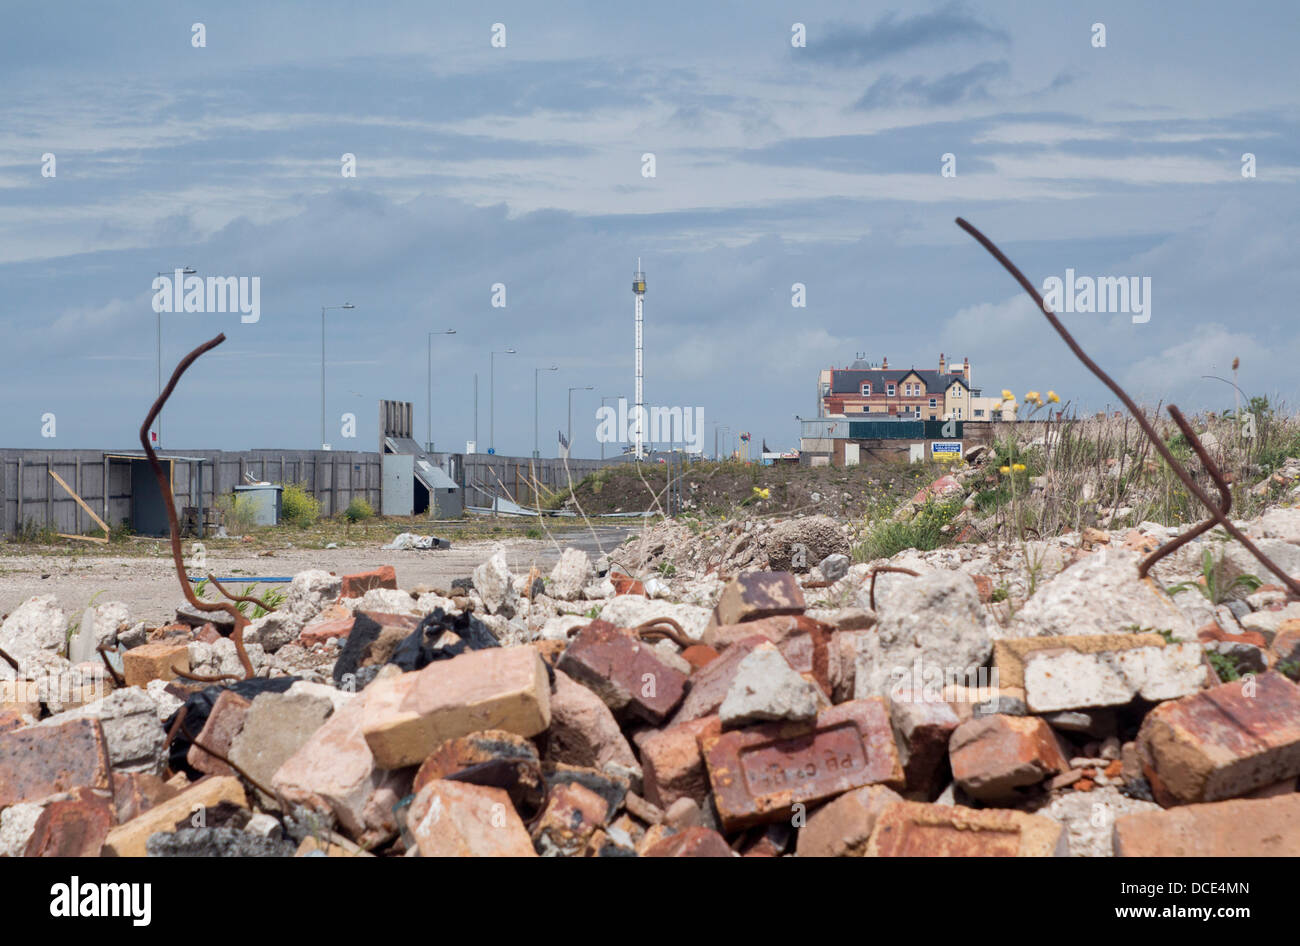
{"points": [[440, 636], [463, 585], [198, 707]]}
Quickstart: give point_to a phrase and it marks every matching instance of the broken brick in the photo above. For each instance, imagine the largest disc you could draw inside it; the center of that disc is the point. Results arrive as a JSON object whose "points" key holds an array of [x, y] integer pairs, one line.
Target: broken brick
{"points": [[498, 688], [73, 828], [38, 761], [355, 586], [755, 595], [993, 757], [759, 773], [334, 621], [710, 684], [672, 765], [157, 661], [1268, 827], [626, 673], [491, 757], [130, 839], [1222, 742], [136, 792], [923, 729], [457, 819], [842, 827], [219, 730], [572, 815], [583, 730], [917, 829], [692, 842]]}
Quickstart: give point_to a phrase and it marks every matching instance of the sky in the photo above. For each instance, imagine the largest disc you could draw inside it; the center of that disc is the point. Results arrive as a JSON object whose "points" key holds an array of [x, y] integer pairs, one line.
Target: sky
{"points": [[522, 164]]}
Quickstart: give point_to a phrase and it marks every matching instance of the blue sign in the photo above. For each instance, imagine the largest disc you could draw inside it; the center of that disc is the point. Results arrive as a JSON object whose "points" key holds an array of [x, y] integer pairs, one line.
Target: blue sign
{"points": [[492, 450]]}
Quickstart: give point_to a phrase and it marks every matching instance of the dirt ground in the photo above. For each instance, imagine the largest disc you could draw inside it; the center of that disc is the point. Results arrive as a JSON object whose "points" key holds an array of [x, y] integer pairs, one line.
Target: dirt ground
{"points": [[146, 579]]}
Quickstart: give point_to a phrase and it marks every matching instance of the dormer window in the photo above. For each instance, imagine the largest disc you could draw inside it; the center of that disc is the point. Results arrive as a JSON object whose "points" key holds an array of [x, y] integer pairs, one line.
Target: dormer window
{"points": [[866, 389]]}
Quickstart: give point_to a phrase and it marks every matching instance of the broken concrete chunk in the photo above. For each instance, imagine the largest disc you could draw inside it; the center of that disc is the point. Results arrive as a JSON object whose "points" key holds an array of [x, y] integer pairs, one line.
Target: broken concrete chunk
{"points": [[766, 688]]}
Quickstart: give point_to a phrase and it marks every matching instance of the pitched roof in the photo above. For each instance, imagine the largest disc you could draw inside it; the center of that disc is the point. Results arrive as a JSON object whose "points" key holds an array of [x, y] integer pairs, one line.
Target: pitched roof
{"points": [[850, 380]]}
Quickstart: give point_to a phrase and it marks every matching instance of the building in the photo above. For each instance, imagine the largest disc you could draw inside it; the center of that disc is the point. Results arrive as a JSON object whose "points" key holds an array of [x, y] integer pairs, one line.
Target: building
{"points": [[881, 392]]}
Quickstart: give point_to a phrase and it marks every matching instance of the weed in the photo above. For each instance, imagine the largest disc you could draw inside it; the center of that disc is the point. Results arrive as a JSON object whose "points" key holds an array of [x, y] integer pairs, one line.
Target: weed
{"points": [[238, 513], [1225, 666], [924, 532], [358, 510], [297, 506], [1211, 586]]}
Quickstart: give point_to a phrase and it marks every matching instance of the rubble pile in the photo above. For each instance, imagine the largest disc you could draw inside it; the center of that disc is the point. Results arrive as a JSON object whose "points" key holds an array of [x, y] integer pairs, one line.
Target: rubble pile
{"points": [[1039, 700]]}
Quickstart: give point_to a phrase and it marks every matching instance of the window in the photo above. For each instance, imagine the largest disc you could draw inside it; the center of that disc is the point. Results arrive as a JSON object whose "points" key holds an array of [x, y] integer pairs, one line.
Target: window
{"points": [[890, 390], [934, 402], [956, 390], [866, 389], [979, 412]]}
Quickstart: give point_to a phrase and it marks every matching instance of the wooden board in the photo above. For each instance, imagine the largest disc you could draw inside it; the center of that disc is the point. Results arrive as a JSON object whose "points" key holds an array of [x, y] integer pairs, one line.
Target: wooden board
{"points": [[82, 503]]}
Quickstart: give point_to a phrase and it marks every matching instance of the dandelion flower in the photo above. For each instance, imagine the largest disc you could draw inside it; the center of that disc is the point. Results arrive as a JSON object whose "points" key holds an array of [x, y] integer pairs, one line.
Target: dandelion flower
{"points": [[1007, 395], [762, 493], [1018, 467], [1032, 396], [1004, 469], [1051, 396]]}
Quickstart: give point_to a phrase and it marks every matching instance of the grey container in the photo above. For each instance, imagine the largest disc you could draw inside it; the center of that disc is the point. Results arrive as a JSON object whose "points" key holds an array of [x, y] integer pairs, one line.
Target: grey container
{"points": [[266, 501]]}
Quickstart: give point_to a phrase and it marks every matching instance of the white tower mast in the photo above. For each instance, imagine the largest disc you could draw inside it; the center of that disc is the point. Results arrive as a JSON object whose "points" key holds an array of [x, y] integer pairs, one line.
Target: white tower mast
{"points": [[638, 290]]}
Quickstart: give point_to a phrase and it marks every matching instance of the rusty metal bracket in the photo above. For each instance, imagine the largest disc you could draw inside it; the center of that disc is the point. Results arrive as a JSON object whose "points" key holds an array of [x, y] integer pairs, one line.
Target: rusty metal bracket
{"points": [[665, 627], [1192, 486], [169, 502], [887, 568]]}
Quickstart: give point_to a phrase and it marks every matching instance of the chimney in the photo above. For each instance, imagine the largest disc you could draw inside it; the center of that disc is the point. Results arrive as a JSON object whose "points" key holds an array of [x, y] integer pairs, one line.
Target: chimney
{"points": [[884, 364], [965, 369], [942, 363]]}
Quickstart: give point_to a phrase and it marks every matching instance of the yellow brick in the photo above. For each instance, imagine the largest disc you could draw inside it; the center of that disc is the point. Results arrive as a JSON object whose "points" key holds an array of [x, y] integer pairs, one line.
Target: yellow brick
{"points": [[498, 688], [128, 840], [158, 661], [1009, 653]]}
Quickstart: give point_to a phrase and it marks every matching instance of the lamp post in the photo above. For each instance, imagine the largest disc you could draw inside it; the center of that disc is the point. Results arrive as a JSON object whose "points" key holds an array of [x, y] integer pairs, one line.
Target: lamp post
{"points": [[187, 271], [537, 373], [346, 305], [428, 441], [587, 387], [602, 404], [492, 398]]}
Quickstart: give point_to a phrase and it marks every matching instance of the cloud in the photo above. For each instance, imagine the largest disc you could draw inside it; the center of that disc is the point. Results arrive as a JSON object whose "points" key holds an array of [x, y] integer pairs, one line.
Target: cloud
{"points": [[968, 85], [848, 45]]}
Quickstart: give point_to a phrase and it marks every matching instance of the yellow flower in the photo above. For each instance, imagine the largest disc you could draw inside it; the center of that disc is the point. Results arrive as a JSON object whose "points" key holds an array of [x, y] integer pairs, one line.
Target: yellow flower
{"points": [[1007, 395], [762, 493], [1032, 396], [1018, 467], [1051, 396], [1004, 469]]}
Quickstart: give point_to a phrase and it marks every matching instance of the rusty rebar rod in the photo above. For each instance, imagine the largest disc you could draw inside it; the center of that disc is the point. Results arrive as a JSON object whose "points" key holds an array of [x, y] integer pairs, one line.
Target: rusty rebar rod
{"points": [[894, 569], [169, 501], [1225, 495], [1186, 478]]}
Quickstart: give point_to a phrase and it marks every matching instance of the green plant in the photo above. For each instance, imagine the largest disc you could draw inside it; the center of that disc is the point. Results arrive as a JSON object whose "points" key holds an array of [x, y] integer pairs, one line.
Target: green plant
{"points": [[533, 532], [358, 510], [1289, 668], [924, 531], [1211, 586], [1001, 593], [29, 531], [297, 506], [593, 612], [1224, 665], [667, 569], [238, 512]]}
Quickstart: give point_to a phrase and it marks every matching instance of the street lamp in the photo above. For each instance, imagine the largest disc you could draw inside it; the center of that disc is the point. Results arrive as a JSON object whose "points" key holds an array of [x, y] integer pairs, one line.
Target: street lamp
{"points": [[428, 440], [492, 398], [602, 404], [587, 387], [187, 271], [537, 373], [346, 305]]}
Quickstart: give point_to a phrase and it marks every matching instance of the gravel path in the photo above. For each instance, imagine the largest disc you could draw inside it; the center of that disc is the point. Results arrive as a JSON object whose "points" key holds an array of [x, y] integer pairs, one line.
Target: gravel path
{"points": [[147, 584]]}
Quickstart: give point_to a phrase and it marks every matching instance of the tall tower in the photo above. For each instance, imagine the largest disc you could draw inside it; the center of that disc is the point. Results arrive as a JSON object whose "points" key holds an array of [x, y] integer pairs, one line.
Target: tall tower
{"points": [[638, 292]]}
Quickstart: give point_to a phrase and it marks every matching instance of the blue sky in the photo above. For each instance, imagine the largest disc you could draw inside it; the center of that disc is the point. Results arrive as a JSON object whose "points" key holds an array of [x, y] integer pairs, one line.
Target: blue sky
{"points": [[522, 165]]}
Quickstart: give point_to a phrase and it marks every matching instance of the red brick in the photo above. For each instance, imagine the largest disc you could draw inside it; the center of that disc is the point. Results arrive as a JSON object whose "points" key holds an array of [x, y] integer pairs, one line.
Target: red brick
{"points": [[1222, 742], [1213, 632], [623, 585], [758, 773], [995, 756], [75, 828], [11, 719], [219, 730], [917, 829], [38, 761], [671, 763], [491, 757], [573, 815], [842, 827], [334, 621], [136, 792], [1267, 827], [354, 586], [983, 587], [456, 819], [709, 684], [693, 842], [623, 671], [755, 595], [923, 729], [208, 634], [699, 655]]}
